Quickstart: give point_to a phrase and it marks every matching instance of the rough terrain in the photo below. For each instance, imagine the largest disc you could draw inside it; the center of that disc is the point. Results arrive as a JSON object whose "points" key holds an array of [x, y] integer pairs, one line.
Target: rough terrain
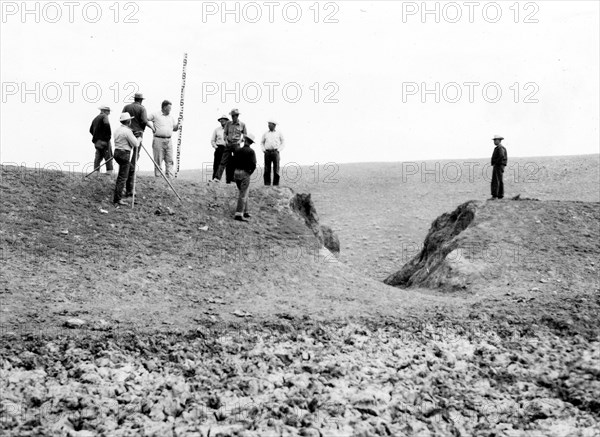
{"points": [[171, 319]]}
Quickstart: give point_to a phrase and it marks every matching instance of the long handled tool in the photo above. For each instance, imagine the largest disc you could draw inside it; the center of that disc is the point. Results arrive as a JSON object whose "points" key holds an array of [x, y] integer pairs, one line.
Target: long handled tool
{"points": [[134, 151], [100, 166], [161, 172], [180, 120]]}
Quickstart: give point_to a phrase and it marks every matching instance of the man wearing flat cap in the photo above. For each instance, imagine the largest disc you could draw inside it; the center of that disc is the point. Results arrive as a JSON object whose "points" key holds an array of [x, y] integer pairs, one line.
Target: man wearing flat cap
{"points": [[499, 160], [272, 143], [139, 121], [218, 143], [234, 132], [101, 134]]}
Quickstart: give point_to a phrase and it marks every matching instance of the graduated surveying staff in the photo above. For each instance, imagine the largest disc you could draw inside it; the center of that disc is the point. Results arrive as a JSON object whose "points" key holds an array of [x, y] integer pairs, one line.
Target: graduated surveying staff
{"points": [[101, 134], [126, 143], [164, 126], [499, 161], [234, 132], [244, 162], [139, 121]]}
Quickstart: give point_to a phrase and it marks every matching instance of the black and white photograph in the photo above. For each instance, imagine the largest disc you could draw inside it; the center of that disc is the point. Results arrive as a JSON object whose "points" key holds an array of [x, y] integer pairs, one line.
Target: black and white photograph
{"points": [[300, 218]]}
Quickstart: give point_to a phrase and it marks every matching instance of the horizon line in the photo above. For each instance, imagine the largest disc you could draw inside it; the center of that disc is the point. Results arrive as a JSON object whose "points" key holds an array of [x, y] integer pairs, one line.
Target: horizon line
{"points": [[11, 164]]}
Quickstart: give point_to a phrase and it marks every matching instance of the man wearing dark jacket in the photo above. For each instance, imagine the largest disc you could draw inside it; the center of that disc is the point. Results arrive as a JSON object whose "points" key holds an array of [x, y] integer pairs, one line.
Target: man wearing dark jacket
{"points": [[244, 160], [139, 121], [499, 160], [234, 132], [101, 133]]}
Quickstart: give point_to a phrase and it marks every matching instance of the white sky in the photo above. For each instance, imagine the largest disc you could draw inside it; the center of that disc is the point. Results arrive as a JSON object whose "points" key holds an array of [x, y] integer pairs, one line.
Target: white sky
{"points": [[370, 55]]}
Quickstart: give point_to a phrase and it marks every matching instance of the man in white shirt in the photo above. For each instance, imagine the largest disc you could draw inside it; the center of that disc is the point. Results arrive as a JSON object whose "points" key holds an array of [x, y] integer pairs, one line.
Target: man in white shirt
{"points": [[164, 126], [218, 143], [272, 143], [126, 143]]}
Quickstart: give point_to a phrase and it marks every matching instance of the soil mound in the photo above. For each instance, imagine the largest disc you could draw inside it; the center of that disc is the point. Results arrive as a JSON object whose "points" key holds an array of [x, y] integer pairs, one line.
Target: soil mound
{"points": [[70, 253], [482, 244], [172, 319]]}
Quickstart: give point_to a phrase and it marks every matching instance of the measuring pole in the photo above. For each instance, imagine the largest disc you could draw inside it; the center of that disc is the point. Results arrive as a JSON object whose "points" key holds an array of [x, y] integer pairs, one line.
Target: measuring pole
{"points": [[180, 120]]}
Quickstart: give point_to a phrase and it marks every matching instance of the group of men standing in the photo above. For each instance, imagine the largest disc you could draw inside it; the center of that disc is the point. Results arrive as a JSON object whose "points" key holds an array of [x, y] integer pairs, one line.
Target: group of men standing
{"points": [[234, 156], [231, 135], [128, 140]]}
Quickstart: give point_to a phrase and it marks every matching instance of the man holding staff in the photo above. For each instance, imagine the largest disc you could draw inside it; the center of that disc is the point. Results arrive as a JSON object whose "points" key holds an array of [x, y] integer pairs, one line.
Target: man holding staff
{"points": [[164, 126], [126, 146]]}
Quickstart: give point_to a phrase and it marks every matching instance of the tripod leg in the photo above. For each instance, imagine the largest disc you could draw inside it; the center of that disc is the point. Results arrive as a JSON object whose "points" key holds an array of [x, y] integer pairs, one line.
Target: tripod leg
{"points": [[99, 167], [161, 172], [135, 150]]}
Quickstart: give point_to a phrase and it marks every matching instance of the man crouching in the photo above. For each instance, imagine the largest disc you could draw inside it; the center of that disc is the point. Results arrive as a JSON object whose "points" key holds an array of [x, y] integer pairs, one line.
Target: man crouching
{"points": [[125, 143], [244, 160]]}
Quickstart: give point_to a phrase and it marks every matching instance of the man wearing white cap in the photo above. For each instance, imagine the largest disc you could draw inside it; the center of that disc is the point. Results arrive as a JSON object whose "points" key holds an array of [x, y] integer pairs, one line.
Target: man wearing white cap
{"points": [[244, 162], [101, 133], [499, 160], [218, 143], [126, 143], [272, 143]]}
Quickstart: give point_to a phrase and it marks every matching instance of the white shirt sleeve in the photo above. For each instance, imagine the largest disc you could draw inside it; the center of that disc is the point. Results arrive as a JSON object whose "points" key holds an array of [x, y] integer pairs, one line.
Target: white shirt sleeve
{"points": [[262, 142]]}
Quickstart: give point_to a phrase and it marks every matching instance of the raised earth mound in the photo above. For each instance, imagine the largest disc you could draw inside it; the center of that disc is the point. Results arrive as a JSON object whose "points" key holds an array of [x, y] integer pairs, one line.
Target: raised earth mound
{"points": [[171, 319], [509, 242]]}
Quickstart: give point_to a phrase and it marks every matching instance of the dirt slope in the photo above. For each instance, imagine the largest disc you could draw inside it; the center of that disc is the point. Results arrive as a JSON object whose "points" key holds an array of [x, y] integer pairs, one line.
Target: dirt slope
{"points": [[508, 242], [382, 211], [132, 266], [315, 348]]}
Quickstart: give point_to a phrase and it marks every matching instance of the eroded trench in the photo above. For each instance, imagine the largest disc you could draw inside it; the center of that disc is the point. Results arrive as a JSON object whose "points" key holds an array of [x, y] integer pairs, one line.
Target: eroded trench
{"points": [[439, 242]]}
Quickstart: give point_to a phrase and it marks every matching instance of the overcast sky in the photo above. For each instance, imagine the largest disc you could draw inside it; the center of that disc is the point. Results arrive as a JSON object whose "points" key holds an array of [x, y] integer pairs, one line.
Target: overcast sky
{"points": [[361, 68]]}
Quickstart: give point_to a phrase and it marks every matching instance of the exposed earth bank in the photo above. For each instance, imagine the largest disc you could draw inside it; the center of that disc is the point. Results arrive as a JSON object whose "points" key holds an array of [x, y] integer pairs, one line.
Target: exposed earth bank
{"points": [[172, 319]]}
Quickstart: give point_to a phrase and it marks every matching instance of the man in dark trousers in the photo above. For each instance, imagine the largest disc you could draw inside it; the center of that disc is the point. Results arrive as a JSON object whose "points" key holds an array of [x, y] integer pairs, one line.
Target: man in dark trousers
{"points": [[272, 143], [499, 160], [218, 143], [101, 134], [234, 132], [139, 122], [126, 143], [244, 163]]}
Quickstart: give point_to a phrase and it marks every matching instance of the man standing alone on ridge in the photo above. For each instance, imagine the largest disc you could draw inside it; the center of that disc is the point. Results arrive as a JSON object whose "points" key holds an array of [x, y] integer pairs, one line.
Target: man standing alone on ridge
{"points": [[244, 164], [499, 160], [234, 132], [164, 126], [218, 142], [139, 122], [272, 142], [101, 133], [125, 144]]}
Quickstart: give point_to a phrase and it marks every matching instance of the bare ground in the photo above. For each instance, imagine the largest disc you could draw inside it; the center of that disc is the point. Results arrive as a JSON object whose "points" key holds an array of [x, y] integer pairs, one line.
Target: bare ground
{"points": [[250, 329]]}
